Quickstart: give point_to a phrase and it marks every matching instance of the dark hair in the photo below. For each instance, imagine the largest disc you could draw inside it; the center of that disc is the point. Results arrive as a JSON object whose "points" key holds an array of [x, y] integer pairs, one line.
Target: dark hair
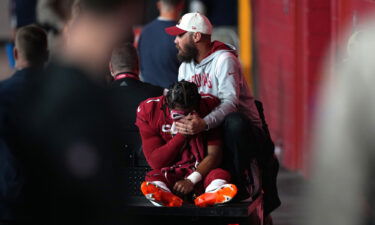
{"points": [[61, 8], [31, 42], [124, 58], [183, 94], [172, 3]]}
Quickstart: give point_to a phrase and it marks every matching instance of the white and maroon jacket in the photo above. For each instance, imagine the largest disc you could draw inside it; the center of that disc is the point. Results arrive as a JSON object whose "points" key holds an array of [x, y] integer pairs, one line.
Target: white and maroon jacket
{"points": [[220, 74]]}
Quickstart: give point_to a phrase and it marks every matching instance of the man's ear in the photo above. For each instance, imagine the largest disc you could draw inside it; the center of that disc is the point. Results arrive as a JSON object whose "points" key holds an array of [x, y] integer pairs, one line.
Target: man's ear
{"points": [[197, 36]]}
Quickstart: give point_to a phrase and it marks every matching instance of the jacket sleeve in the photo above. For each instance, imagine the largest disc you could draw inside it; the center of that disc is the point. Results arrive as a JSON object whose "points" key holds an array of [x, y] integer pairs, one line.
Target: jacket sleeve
{"points": [[158, 152], [228, 72]]}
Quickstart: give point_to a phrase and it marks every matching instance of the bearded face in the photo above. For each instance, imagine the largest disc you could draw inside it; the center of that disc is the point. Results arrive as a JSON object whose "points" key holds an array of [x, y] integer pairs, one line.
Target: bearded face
{"points": [[187, 51]]}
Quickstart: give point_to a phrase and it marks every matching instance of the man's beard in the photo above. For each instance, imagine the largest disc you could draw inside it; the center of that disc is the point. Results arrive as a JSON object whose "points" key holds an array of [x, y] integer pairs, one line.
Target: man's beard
{"points": [[189, 53]]}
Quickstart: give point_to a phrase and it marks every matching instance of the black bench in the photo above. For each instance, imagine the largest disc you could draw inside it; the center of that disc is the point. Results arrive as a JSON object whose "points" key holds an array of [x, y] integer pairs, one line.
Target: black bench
{"points": [[144, 212], [231, 213]]}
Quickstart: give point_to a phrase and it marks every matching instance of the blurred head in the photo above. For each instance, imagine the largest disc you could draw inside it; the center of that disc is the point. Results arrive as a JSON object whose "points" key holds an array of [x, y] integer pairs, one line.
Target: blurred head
{"points": [[183, 96], [124, 58], [192, 33], [30, 47], [93, 33]]}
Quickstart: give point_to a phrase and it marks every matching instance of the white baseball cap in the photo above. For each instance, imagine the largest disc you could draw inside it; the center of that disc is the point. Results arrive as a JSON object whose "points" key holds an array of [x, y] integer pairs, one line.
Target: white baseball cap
{"points": [[191, 22]]}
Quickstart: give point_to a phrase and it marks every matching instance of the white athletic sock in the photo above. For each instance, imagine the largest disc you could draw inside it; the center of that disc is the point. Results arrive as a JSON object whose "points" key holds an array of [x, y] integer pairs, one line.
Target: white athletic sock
{"points": [[215, 184], [161, 185]]}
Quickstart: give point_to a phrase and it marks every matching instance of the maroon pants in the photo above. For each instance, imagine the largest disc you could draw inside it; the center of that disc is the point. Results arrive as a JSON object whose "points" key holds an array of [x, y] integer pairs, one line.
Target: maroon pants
{"points": [[171, 177]]}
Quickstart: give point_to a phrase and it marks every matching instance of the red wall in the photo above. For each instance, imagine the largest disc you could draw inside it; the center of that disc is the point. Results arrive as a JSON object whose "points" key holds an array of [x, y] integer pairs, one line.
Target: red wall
{"points": [[292, 39], [275, 47]]}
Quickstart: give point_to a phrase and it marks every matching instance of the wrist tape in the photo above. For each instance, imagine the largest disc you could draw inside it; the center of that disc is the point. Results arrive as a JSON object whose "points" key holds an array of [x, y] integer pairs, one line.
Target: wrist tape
{"points": [[195, 177]]}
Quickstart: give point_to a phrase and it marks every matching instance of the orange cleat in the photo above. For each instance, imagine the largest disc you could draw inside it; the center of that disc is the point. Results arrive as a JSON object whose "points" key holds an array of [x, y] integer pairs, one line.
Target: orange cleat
{"points": [[223, 194], [159, 196]]}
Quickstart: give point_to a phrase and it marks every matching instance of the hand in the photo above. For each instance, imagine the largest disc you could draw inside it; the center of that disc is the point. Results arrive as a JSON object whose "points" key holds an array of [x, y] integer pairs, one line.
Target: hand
{"points": [[190, 125], [183, 186]]}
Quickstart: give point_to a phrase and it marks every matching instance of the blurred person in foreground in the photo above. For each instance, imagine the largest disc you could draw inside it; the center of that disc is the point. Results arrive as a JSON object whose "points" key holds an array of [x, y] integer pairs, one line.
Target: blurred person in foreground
{"points": [[214, 67], [127, 90], [158, 54], [64, 132], [183, 165], [343, 165], [30, 54], [53, 16]]}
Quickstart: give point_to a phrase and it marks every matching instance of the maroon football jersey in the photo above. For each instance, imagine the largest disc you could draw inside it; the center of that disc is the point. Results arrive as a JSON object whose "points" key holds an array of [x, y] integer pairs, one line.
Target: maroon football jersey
{"points": [[162, 146]]}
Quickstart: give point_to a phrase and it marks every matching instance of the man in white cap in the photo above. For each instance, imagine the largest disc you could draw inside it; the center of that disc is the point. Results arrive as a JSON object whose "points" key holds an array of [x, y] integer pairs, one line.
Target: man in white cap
{"points": [[215, 69]]}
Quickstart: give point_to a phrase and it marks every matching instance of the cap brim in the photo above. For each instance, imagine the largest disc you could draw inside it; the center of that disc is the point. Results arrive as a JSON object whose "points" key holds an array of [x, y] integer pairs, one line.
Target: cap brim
{"points": [[174, 31]]}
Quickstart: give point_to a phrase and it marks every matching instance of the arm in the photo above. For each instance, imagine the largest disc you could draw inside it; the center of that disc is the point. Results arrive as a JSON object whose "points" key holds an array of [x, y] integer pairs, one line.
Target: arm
{"points": [[158, 152], [211, 161], [214, 152], [228, 72]]}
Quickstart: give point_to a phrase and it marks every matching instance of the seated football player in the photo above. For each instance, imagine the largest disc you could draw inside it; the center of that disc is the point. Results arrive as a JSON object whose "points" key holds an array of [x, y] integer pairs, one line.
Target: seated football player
{"points": [[183, 165]]}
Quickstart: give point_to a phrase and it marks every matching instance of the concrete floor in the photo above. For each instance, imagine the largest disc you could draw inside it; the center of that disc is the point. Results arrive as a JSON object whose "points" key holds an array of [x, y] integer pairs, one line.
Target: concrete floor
{"points": [[292, 194]]}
